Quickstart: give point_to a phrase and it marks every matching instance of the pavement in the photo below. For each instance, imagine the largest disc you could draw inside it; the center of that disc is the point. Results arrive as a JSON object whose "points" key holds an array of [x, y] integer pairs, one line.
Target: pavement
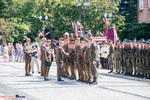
{"points": [[110, 86]]}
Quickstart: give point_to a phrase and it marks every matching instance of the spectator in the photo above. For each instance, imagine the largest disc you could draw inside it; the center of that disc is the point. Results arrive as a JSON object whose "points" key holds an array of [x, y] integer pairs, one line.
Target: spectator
{"points": [[35, 51], [5, 51]]}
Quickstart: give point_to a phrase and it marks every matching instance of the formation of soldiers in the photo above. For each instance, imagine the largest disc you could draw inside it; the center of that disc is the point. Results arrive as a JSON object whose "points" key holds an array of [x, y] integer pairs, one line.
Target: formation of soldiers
{"points": [[45, 58], [76, 58], [130, 57]]}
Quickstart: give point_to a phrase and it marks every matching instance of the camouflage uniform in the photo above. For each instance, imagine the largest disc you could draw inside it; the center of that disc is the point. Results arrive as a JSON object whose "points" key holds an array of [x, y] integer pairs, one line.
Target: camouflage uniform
{"points": [[93, 56]]}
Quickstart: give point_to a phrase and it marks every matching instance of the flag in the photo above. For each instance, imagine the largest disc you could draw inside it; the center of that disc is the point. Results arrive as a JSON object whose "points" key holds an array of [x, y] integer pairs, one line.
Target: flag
{"points": [[106, 22], [115, 35], [98, 32], [76, 26], [72, 25], [47, 33], [80, 25]]}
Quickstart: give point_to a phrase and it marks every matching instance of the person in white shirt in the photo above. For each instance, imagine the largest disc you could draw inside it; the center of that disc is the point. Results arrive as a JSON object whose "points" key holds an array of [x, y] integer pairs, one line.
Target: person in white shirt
{"points": [[104, 55], [35, 51]]}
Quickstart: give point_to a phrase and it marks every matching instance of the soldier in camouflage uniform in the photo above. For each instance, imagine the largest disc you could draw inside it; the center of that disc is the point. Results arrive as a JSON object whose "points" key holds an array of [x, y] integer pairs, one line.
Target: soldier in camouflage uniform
{"points": [[110, 57], [93, 58]]}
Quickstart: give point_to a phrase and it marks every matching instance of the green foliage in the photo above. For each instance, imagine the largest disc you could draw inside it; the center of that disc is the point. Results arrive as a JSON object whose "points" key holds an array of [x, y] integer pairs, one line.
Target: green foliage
{"points": [[23, 16], [128, 8], [137, 31]]}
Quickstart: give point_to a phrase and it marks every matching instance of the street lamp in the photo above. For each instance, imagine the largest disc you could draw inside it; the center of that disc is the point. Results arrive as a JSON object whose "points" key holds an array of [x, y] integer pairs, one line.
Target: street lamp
{"points": [[86, 4], [43, 21]]}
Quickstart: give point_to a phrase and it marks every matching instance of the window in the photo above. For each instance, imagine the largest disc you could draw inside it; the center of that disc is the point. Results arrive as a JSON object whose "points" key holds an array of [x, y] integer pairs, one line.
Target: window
{"points": [[148, 4], [140, 4]]}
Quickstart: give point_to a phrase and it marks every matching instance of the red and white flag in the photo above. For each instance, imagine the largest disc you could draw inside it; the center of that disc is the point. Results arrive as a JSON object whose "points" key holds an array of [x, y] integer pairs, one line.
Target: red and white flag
{"points": [[115, 35], [80, 25], [47, 33], [72, 25], [106, 22]]}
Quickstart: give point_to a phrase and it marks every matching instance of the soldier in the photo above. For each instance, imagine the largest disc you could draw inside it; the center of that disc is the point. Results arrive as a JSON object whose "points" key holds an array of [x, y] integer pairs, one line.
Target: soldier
{"points": [[121, 57], [42, 57], [72, 60], [59, 59], [48, 61], [133, 57], [80, 62], [110, 57], [77, 48], [66, 58], [27, 56], [87, 66], [93, 58], [118, 57]]}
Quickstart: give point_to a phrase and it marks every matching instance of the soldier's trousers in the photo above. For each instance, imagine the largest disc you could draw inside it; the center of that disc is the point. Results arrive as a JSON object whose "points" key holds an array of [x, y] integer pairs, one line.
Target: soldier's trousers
{"points": [[82, 67], [67, 69], [93, 71], [78, 69], [134, 65], [46, 72], [73, 71], [110, 59], [89, 73], [86, 73], [59, 67], [27, 66], [124, 65], [42, 67], [117, 63]]}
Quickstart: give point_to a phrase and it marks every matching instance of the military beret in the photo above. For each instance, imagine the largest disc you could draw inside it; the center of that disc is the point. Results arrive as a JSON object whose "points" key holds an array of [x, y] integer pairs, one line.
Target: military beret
{"points": [[90, 38], [77, 39], [121, 42], [67, 38], [28, 39], [110, 41], [85, 39], [125, 40], [61, 41], [48, 40], [118, 41], [43, 39], [141, 39], [148, 42]]}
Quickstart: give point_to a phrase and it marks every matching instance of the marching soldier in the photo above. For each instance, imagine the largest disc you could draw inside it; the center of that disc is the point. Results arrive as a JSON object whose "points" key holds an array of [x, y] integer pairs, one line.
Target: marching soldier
{"points": [[42, 57], [27, 56], [93, 58], [59, 59], [48, 60]]}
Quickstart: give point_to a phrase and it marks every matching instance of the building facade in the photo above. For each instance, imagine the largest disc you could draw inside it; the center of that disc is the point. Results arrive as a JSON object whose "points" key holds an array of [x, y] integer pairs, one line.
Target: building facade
{"points": [[143, 11]]}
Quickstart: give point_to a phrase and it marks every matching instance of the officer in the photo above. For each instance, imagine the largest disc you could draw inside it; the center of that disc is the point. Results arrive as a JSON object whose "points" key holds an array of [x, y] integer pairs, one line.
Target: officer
{"points": [[42, 57], [27, 56], [93, 58], [48, 60], [66, 58], [59, 59], [72, 61]]}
